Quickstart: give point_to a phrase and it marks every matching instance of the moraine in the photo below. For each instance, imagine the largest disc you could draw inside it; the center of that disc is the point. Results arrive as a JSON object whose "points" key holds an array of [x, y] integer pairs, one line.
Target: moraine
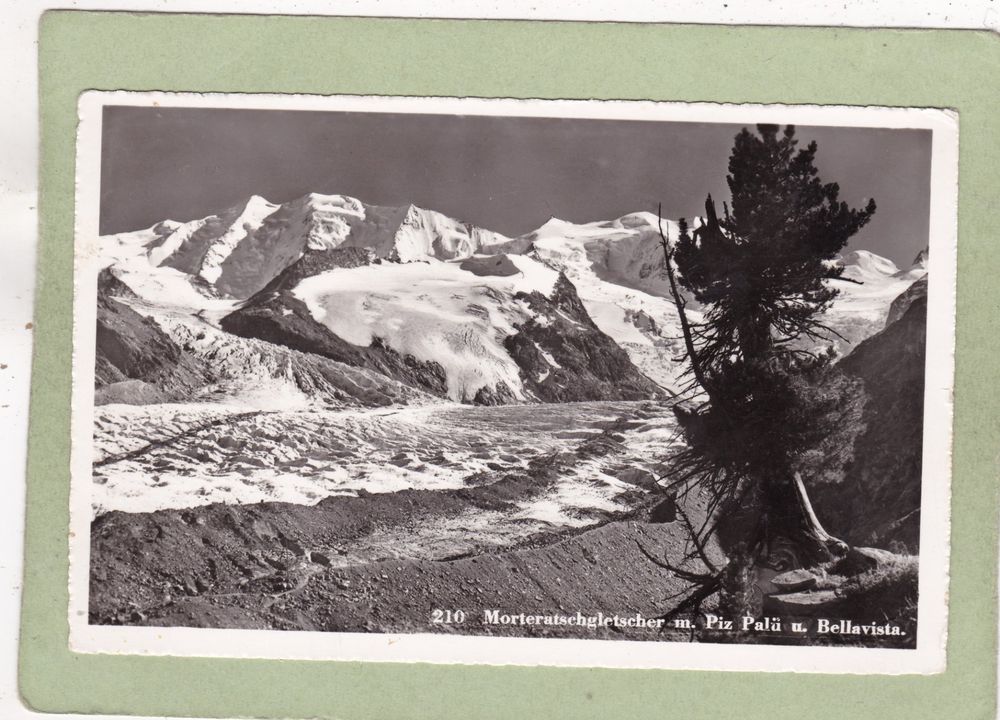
{"points": [[206, 453]]}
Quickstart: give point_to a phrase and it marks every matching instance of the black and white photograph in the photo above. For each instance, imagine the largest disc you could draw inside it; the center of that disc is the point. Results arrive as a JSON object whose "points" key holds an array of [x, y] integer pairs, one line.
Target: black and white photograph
{"points": [[670, 379]]}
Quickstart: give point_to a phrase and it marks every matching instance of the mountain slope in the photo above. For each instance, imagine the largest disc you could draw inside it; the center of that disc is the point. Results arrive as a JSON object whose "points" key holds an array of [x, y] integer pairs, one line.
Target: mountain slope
{"points": [[144, 356], [902, 303], [862, 307], [279, 317], [625, 251], [878, 498], [564, 356], [201, 247], [239, 250], [136, 361], [260, 252], [618, 270], [487, 329]]}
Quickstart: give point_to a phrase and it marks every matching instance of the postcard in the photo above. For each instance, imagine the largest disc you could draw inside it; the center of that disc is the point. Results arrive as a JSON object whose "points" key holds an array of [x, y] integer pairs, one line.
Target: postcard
{"points": [[621, 384]]}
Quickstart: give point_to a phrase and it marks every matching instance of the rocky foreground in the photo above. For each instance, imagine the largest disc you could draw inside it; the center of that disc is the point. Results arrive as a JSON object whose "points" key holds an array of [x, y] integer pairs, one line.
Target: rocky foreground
{"points": [[295, 567], [287, 567]]}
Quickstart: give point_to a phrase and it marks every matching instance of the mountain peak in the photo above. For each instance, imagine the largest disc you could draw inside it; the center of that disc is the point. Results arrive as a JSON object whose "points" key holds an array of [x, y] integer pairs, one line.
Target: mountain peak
{"points": [[641, 219], [253, 206], [165, 227], [258, 201], [344, 204], [869, 263], [554, 224]]}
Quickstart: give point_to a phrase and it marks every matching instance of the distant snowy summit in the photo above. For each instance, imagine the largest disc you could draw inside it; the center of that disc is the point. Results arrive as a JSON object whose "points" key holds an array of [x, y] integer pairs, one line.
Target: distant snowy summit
{"points": [[865, 265], [240, 249], [862, 264], [446, 306]]}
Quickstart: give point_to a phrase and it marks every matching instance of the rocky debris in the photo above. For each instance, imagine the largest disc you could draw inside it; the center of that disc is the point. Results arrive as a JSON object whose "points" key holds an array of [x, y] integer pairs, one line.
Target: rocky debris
{"points": [[599, 570], [314, 556], [130, 392], [664, 511], [815, 603], [638, 477], [499, 394], [866, 586], [240, 554], [794, 581], [234, 543]]}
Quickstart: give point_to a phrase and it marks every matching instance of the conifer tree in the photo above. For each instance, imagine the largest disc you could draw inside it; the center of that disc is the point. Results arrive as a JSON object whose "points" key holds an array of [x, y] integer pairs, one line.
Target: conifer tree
{"points": [[762, 274]]}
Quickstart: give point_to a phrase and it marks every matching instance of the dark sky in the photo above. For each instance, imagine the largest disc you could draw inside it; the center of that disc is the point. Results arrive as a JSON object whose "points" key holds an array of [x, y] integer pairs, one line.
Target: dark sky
{"points": [[504, 173]]}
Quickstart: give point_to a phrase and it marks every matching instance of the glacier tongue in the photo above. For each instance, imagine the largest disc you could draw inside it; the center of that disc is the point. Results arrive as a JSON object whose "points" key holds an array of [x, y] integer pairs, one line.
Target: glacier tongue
{"points": [[434, 311]]}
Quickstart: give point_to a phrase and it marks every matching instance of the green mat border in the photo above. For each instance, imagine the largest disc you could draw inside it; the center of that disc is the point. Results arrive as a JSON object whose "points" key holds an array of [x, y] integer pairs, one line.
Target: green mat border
{"points": [[245, 53]]}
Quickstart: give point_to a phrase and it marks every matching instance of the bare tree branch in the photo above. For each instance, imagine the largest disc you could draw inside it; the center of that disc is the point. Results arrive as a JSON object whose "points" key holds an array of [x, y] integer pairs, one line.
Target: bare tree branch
{"points": [[679, 302]]}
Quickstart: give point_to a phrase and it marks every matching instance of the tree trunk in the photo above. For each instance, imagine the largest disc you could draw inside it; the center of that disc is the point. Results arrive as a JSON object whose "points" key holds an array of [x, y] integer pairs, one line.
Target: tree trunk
{"points": [[790, 535]]}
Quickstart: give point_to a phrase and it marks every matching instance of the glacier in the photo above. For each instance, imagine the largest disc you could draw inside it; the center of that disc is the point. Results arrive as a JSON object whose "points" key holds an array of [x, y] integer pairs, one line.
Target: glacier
{"points": [[380, 323]]}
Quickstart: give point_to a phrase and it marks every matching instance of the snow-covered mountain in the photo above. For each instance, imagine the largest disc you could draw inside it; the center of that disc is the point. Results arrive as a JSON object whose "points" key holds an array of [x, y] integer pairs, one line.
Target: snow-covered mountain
{"points": [[423, 310], [239, 250], [624, 252], [567, 312], [872, 284], [488, 329], [618, 270]]}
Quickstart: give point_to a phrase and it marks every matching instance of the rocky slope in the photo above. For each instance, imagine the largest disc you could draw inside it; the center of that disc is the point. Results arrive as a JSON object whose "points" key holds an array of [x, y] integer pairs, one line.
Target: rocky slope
{"points": [[136, 361], [899, 306], [600, 571], [863, 306], [877, 500], [564, 357], [618, 271]]}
